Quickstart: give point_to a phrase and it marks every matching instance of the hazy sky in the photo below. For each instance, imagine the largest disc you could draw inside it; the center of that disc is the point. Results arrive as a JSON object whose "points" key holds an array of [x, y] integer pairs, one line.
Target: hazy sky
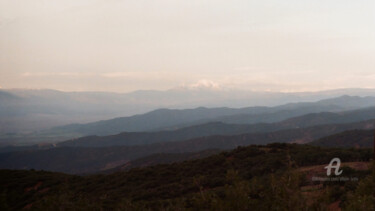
{"points": [[114, 45]]}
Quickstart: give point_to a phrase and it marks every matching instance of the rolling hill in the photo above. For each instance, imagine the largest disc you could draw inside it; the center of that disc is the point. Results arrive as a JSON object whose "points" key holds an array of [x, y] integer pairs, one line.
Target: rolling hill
{"points": [[162, 158], [142, 138], [351, 138], [21, 108], [85, 160], [172, 118], [219, 128], [162, 119]]}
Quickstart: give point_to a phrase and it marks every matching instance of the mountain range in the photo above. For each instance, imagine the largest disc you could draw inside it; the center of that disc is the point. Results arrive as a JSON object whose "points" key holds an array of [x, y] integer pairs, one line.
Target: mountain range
{"points": [[350, 138], [80, 160], [20, 109], [169, 119], [220, 128]]}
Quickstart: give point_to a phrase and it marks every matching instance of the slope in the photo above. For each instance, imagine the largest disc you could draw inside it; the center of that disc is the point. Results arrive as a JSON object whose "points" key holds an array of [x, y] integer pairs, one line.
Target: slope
{"points": [[86, 160], [218, 128], [235, 179], [351, 138], [172, 118]]}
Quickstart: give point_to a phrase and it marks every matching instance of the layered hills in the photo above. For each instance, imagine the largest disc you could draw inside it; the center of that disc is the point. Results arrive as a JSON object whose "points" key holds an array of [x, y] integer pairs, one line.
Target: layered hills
{"points": [[89, 159], [350, 138], [220, 128], [164, 119]]}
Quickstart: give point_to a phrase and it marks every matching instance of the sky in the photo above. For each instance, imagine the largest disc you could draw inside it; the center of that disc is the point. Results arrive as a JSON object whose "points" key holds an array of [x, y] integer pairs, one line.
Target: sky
{"points": [[127, 45]]}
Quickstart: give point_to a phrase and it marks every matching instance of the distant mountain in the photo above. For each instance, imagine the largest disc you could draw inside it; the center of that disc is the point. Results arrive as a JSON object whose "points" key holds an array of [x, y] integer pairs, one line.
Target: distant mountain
{"points": [[351, 138], [7, 100], [185, 131], [142, 138], [172, 119], [271, 115], [6, 96], [52, 108], [352, 102], [297, 109], [150, 121], [85, 160], [331, 118], [219, 128]]}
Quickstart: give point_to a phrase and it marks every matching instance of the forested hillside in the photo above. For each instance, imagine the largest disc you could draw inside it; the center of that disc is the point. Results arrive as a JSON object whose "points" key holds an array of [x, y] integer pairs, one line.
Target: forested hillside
{"points": [[350, 138], [245, 178]]}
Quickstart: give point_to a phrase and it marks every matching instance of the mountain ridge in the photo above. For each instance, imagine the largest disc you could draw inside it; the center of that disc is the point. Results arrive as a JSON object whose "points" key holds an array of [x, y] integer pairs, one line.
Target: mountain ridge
{"points": [[220, 128], [80, 160], [170, 118]]}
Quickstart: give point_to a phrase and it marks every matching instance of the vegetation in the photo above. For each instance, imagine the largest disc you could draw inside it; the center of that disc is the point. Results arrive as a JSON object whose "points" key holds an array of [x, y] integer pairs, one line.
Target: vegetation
{"points": [[351, 138], [268, 177]]}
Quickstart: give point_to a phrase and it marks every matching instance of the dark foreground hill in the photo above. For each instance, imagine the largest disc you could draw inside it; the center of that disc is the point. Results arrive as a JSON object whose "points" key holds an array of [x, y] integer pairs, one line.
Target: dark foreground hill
{"points": [[85, 160], [352, 138], [255, 177], [162, 158]]}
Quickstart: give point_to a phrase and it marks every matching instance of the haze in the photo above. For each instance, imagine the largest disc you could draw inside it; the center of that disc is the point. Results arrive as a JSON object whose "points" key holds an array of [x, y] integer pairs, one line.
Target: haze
{"points": [[121, 46]]}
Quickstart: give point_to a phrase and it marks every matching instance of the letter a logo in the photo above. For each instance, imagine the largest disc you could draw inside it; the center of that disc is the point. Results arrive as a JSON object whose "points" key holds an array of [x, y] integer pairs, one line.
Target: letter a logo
{"points": [[336, 166]]}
